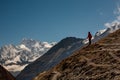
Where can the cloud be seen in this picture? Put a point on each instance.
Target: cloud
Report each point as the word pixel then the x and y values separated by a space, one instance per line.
pixel 109 25
pixel 117 20
pixel 117 11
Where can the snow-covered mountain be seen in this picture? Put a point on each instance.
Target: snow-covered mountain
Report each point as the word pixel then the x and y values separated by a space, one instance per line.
pixel 15 58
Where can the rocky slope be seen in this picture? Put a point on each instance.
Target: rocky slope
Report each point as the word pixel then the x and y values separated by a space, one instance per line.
pixel 99 61
pixel 5 75
pixel 15 58
pixel 57 53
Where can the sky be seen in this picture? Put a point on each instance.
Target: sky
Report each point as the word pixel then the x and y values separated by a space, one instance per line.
pixel 53 20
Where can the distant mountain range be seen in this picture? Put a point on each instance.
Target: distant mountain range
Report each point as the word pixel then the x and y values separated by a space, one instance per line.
pixel 15 58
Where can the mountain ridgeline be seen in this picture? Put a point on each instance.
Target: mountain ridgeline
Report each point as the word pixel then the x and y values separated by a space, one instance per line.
pixel 99 61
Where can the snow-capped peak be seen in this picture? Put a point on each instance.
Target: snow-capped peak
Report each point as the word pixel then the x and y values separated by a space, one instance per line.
pixel 30 42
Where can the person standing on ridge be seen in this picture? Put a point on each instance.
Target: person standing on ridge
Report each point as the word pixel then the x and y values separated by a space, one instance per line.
pixel 89 38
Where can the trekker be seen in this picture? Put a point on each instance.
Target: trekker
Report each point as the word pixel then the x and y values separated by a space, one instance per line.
pixel 89 38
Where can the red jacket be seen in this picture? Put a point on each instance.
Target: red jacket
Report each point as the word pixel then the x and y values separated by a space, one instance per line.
pixel 89 35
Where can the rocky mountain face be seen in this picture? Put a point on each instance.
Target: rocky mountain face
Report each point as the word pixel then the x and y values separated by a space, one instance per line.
pixel 57 53
pixel 5 75
pixel 99 61
pixel 15 58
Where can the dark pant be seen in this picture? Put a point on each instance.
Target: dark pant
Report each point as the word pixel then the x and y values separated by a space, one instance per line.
pixel 89 41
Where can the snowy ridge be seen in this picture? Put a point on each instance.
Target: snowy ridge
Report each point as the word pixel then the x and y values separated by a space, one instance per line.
pixel 15 58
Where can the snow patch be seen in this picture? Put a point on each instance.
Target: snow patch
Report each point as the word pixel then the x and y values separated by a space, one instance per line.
pixel 114 25
pixel 22 46
pixel 100 32
pixel 14 68
pixel 47 45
